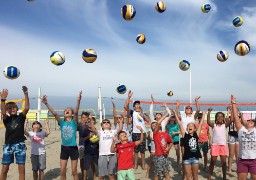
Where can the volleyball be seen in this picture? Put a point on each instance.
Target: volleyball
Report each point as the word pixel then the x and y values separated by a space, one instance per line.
pixel 128 12
pixel 242 48
pixel 206 8
pixel 121 89
pixel 57 58
pixel 94 138
pixel 238 21
pixel 170 93
pixel 89 55
pixel 160 6
pixel 184 65
pixel 11 72
pixel 222 56
pixel 141 38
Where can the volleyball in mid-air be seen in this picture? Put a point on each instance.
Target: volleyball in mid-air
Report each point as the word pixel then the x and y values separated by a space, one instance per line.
pixel 128 12
pixel 57 58
pixel 242 48
pixel 238 21
pixel 121 89
pixel 89 55
pixel 160 6
pixel 184 65
pixel 222 56
pixel 11 72
pixel 170 93
pixel 206 8
pixel 94 138
pixel 141 38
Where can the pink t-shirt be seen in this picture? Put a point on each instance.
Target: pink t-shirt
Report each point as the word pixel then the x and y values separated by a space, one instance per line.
pixel 219 135
pixel 203 136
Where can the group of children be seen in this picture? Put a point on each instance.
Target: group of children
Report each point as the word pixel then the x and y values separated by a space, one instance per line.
pixel 115 151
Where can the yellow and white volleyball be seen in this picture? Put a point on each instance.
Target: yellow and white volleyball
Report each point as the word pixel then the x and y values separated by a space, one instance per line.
pixel 141 38
pixel 242 48
pixel 128 12
pixel 206 8
pixel 170 93
pixel 184 65
pixel 89 55
pixel 94 138
pixel 160 6
pixel 11 72
pixel 57 58
pixel 238 21
pixel 222 56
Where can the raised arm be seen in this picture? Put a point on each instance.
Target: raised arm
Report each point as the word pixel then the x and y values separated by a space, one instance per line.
pixel 120 125
pixel 113 145
pixel 235 114
pixel 4 95
pixel 177 106
pixel 209 118
pixel 200 124
pixel 151 109
pixel 182 131
pixel 197 107
pixel 54 113
pixel 77 107
pixel 92 126
pixel 47 128
pixel 27 105
pixel 146 118
pixel 141 136
pixel 114 113
pixel 26 128
pixel 126 104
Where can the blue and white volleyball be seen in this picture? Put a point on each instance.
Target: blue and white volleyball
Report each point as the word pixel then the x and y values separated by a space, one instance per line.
pixel 238 21
pixel 160 6
pixel 141 38
pixel 242 48
pixel 121 89
pixel 206 8
pixel 222 56
pixel 128 12
pixel 11 72
pixel 170 93
pixel 89 55
pixel 184 65
pixel 57 58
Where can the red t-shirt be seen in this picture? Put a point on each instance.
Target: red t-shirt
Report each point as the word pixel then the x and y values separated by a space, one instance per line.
pixel 203 136
pixel 125 155
pixel 161 140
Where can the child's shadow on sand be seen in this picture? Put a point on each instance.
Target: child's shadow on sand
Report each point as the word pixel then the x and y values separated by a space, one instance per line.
pixel 52 174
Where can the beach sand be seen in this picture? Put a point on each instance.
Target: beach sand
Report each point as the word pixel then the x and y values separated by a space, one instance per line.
pixel 52 172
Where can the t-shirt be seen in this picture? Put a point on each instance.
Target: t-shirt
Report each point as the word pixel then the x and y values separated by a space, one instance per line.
pixel 191 148
pixel 203 136
pixel 37 142
pixel 89 147
pixel 137 120
pixel 68 132
pixel 14 125
pixel 173 128
pixel 247 143
pixel 125 155
pixel 106 139
pixel 81 129
pixel 219 135
pixel 185 120
pixel 161 139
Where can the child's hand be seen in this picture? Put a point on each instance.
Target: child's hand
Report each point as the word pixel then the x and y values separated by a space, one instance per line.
pixel 197 98
pixel 152 98
pixel 79 96
pixel 44 99
pixel 233 99
pixel 130 93
pixel 114 106
pixel 24 89
pixel 209 109
pixel 114 138
pixel 121 120
pixel 139 128
pixel 177 103
pixel 4 93
pixel 46 122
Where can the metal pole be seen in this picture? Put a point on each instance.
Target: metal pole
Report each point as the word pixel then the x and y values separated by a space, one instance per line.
pixel 104 112
pixel 190 93
pixel 99 104
pixel 39 105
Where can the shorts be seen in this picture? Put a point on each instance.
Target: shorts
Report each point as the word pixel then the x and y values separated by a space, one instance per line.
pixel 246 165
pixel 219 150
pixel 149 149
pixel 81 152
pixel 181 142
pixel 204 146
pixel 191 161
pixel 177 142
pixel 161 164
pixel 38 162
pixel 232 139
pixel 18 149
pixel 142 147
pixel 89 158
pixel 107 164
pixel 69 151
pixel 126 174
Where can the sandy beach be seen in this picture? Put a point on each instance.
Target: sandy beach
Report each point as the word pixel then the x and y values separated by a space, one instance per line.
pixel 53 143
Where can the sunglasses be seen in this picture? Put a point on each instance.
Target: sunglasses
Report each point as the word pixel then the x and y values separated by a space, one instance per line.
pixel 188 108
pixel 119 117
pixel 104 122
pixel 250 121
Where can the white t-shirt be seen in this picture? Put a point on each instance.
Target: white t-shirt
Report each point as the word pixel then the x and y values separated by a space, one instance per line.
pixel 247 143
pixel 37 142
pixel 137 120
pixel 106 139
pixel 185 120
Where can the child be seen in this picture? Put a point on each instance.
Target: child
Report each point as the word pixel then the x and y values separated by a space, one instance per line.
pixel 218 147
pixel 38 153
pixel 14 134
pixel 125 155
pixel 191 150
pixel 107 159
pixel 68 127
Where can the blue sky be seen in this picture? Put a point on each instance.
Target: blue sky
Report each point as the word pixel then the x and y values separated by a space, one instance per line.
pixel 31 31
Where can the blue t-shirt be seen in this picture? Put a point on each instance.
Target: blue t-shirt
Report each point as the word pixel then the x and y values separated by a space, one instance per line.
pixel 82 130
pixel 173 128
pixel 68 132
